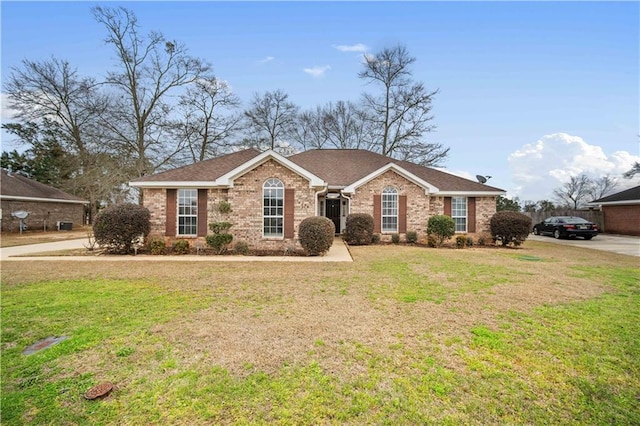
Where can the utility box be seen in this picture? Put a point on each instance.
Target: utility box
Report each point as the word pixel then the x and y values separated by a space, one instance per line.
pixel 65 226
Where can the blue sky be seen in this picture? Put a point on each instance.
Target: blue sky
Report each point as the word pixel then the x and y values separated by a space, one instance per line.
pixel 530 93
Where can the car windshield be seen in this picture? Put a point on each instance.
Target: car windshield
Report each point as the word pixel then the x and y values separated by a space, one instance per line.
pixel 575 220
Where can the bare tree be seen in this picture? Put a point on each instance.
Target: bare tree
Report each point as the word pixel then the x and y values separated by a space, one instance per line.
pixel 574 193
pixel 58 109
pixel 207 121
pixel 271 120
pixel 148 69
pixel 546 205
pixel 602 186
pixel 635 169
pixel 347 126
pixel 402 113
pixel 310 130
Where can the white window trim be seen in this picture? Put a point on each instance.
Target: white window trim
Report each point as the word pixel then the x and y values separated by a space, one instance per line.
pixel 396 215
pixel 178 215
pixel 271 236
pixel 466 213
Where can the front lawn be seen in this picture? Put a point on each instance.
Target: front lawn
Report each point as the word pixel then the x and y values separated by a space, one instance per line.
pixel 404 335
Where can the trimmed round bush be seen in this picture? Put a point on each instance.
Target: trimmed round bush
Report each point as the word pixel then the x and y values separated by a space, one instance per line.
pixel 512 228
pixel 442 227
pixel 412 237
pixel 359 229
pixel 219 242
pixel 181 247
pixel 316 234
pixel 157 245
pixel 118 227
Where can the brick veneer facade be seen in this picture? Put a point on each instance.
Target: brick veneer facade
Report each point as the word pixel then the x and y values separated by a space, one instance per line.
pixel 623 220
pixel 420 206
pixel 41 213
pixel 245 198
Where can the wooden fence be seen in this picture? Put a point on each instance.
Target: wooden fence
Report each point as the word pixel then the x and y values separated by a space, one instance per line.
pixel 594 216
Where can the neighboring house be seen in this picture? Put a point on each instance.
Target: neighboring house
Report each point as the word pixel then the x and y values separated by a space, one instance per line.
pixel 621 212
pixel 270 195
pixel 46 205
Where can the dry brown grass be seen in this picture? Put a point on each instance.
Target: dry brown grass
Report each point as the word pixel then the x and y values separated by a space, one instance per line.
pixel 12 239
pixel 266 315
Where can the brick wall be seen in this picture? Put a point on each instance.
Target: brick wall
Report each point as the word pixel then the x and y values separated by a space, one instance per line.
pixel 40 213
pixel 623 220
pixel 246 201
pixel 155 199
pixel 420 206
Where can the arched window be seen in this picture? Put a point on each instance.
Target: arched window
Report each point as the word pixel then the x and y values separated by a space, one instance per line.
pixel 390 209
pixel 273 208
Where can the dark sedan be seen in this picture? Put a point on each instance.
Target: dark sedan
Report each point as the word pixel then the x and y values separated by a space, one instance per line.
pixel 566 227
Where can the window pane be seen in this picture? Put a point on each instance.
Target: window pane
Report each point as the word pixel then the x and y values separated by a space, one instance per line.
pixel 273 208
pixel 187 211
pixel 389 209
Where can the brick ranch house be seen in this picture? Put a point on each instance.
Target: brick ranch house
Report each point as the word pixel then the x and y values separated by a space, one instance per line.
pixel 621 212
pixel 46 205
pixel 270 195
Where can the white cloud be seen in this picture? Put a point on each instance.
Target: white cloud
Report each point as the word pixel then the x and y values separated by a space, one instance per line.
pixel 267 60
pixel 317 71
pixel 539 168
pixel 358 47
pixel 6 113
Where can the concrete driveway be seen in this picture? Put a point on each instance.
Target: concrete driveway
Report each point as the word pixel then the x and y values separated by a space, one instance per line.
pixel 620 244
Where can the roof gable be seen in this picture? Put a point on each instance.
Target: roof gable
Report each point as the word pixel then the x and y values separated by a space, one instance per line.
pixel 18 187
pixel 221 171
pixel 343 168
pixel 350 189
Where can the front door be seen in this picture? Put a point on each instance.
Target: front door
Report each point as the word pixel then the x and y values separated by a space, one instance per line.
pixel 333 213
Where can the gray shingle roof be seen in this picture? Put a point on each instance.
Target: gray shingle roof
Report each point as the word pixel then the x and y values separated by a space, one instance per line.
pixel 337 167
pixel 16 185
pixel 207 170
pixel 342 167
pixel 631 194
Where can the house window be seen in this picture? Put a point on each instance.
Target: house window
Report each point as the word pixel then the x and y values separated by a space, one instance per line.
pixel 459 213
pixel 390 209
pixel 273 208
pixel 187 212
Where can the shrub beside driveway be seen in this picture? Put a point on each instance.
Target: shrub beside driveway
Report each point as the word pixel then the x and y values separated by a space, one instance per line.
pixel 402 335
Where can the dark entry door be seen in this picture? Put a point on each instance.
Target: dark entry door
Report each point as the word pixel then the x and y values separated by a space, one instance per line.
pixel 333 213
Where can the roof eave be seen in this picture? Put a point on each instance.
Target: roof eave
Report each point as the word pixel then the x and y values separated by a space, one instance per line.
pixel 42 199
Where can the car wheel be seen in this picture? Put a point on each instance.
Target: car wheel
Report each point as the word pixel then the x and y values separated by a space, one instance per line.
pixel 556 234
pixel 535 231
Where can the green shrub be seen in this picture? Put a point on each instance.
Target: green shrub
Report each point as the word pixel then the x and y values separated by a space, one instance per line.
pixel 512 228
pixel 432 240
pixel 220 227
pixel 219 242
pixel 181 247
pixel 375 238
pixel 470 241
pixel 220 238
pixel 118 227
pixel 157 245
pixel 412 237
pixel 241 247
pixel 224 207
pixel 359 229
pixel 395 238
pixel 442 227
pixel 461 241
pixel 316 234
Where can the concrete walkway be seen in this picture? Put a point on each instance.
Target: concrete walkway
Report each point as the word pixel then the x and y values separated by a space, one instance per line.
pixel 337 253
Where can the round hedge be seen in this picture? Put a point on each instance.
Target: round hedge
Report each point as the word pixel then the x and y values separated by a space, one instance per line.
pixel 359 229
pixel 316 234
pixel 118 227
pixel 510 227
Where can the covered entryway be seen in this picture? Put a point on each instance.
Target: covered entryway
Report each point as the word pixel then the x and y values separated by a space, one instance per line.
pixel 333 212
